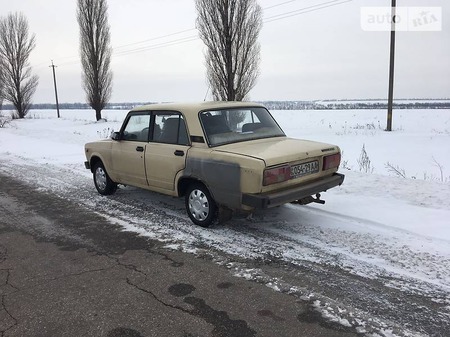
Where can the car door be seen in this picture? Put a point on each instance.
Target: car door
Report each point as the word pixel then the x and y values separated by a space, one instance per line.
pixel 165 155
pixel 128 154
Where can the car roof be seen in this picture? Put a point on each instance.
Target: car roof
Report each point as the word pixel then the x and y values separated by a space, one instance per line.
pixel 188 108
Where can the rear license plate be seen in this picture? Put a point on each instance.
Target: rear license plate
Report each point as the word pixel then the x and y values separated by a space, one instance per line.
pixel 304 169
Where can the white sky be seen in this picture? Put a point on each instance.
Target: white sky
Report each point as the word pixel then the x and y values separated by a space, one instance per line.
pixel 322 54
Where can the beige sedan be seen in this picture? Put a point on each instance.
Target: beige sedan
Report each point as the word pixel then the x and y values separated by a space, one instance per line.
pixel 221 156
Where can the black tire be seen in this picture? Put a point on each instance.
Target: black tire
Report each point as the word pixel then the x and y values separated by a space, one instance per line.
pixel 102 181
pixel 200 206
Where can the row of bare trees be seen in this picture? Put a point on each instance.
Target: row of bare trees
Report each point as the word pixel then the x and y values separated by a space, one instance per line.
pixel 229 29
pixel 18 84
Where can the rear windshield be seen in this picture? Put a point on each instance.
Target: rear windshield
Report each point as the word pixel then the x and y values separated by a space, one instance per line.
pixel 239 124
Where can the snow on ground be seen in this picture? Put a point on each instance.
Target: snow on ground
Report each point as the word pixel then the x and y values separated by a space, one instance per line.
pixel 377 225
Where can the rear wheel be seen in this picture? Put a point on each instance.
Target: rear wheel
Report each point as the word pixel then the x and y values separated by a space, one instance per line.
pixel 102 181
pixel 200 206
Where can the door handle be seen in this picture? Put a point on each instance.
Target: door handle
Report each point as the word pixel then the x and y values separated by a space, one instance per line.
pixel 179 153
pixel 140 149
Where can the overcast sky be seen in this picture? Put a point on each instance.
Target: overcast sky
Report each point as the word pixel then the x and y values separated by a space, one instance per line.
pixel 319 54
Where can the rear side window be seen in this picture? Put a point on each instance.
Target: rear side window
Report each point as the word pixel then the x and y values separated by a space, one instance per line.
pixel 169 128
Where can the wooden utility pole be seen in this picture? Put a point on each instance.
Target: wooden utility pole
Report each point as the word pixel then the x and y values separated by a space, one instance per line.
pixel 391 67
pixel 56 91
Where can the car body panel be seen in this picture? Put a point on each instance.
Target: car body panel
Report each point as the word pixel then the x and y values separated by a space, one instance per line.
pixel 162 164
pixel 278 150
pixel 127 163
pixel 226 175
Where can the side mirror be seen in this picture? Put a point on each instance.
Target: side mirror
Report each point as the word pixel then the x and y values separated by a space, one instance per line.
pixel 115 136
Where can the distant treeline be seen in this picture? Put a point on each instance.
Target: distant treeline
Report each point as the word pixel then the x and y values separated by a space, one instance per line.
pixel 76 106
pixel 277 105
pixel 358 105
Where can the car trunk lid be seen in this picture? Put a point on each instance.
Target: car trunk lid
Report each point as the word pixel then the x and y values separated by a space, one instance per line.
pixel 277 151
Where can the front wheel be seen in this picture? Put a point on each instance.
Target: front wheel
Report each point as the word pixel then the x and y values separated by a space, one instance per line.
pixel 200 206
pixel 102 181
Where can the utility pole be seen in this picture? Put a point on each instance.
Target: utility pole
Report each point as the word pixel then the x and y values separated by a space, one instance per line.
pixel 56 91
pixel 391 67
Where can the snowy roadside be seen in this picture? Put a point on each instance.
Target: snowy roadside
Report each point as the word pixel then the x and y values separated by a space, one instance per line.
pixel 392 230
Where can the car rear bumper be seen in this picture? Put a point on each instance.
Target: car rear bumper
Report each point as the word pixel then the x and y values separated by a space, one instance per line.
pixel 278 198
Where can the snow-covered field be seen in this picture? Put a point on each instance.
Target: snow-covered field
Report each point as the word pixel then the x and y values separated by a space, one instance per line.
pixel 378 225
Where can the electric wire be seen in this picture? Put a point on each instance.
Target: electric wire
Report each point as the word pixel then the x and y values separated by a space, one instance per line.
pixel 280 4
pixel 306 10
pixel 116 51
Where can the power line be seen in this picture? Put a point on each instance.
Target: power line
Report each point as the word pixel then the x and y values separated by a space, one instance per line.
pixel 305 10
pixel 183 31
pixel 155 38
pixel 280 4
pixel 118 52
pixel 188 30
pixel 156 46
pixel 145 48
pixel 270 19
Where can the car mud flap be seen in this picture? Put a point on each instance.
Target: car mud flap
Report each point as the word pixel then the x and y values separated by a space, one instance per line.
pixel 225 214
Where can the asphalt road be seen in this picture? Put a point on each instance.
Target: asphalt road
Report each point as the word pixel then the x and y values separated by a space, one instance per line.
pixel 67 271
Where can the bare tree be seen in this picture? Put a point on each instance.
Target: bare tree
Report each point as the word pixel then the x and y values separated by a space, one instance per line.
pixel 95 52
pixel 15 48
pixel 230 30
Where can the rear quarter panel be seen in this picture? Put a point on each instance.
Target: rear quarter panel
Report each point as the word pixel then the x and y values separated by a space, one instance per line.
pixel 226 175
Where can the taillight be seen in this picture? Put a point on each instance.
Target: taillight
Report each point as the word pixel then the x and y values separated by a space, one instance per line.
pixel 331 161
pixel 277 175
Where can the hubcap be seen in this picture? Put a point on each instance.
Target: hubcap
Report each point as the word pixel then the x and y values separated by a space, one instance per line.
pixel 100 178
pixel 198 205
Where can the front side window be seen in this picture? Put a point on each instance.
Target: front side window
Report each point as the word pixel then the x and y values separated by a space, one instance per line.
pixel 137 128
pixel 170 128
pixel 238 124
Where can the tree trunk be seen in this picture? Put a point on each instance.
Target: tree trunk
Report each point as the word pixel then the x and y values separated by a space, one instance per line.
pixel 20 110
pixel 98 114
